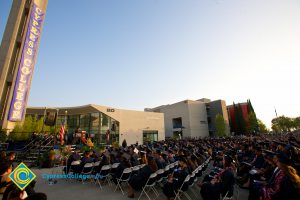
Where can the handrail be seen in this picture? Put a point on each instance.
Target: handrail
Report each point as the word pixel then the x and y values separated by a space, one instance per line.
pixel 46 145
pixel 26 145
pixel 36 146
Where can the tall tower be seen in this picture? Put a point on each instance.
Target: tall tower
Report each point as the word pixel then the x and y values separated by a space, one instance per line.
pixel 18 52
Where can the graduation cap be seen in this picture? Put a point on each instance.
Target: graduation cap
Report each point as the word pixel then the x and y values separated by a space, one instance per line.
pixel 126 156
pixel 228 158
pixel 114 153
pixel 258 148
pixel 269 153
pixel 136 150
pixel 295 144
pixel 283 158
pixel 279 143
pixel 106 154
pixel 148 150
pixel 158 151
pixel 150 158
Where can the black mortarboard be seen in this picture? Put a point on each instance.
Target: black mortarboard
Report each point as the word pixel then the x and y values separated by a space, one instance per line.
pixel 295 144
pixel 150 158
pixel 279 143
pixel 258 149
pixel 282 158
pixel 126 156
pixel 228 158
pixel 269 153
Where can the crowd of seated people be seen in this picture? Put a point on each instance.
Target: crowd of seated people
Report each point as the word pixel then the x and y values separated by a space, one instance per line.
pixel 151 157
pixel 138 180
pixel 267 165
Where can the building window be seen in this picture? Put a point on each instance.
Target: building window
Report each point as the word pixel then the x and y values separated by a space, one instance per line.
pixel 72 123
pixel 150 136
pixel 85 122
pixel 177 122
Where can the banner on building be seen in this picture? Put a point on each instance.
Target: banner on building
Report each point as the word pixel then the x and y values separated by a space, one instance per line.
pixel 50 119
pixel 26 67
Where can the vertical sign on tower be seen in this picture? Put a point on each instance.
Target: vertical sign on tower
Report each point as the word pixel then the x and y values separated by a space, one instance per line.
pixel 26 67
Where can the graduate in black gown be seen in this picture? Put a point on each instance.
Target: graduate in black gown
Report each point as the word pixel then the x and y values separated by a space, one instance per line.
pixel 222 183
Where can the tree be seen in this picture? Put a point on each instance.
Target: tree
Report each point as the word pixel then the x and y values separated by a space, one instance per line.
pixel 241 124
pixel 124 144
pixel 23 131
pixel 3 135
pixel 39 125
pixel 296 123
pixel 262 127
pixel 282 124
pixel 220 125
pixel 253 125
pixel 28 124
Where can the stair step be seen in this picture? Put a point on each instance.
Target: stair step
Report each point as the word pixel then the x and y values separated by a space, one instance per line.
pixel 28 161
pixel 46 146
pixel 34 153
pixel 31 157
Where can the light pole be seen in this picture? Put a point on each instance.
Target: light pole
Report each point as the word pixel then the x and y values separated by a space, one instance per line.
pixel 44 119
pixel 65 127
pixel 181 132
pixel 56 121
pixel 66 118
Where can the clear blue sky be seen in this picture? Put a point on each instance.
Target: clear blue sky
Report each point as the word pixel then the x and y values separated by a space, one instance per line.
pixel 133 54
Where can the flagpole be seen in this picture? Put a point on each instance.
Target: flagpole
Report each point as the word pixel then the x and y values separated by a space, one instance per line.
pixel 44 119
pixel 56 119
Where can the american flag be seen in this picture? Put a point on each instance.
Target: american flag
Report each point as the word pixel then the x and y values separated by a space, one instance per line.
pixel 62 130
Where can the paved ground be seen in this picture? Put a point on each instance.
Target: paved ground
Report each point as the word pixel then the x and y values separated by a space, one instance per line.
pixel 73 190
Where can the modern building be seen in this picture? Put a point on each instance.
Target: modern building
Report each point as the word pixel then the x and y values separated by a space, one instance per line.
pixel 134 126
pixel 191 118
pixel 18 53
pixel 239 117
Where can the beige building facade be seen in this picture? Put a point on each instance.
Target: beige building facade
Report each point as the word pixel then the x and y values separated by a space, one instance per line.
pixel 133 126
pixel 192 119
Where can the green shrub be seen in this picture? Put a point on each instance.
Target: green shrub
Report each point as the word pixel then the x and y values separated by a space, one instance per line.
pixel 124 144
pixel 19 136
pixel 115 144
pixel 85 148
pixel 3 136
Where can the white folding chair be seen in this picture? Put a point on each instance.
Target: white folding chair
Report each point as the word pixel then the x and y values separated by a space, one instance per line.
pixel 124 178
pixel 104 175
pixel 86 170
pixel 74 165
pixel 142 165
pixel 236 192
pixel 176 163
pixel 192 181
pixel 135 169
pixel 96 167
pixel 166 172
pixel 183 188
pixel 114 168
pixel 151 185
pixel 160 177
